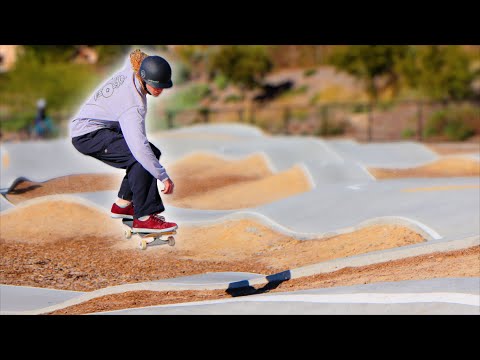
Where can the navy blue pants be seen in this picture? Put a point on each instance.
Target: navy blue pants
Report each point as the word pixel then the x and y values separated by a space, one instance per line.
pixel 138 185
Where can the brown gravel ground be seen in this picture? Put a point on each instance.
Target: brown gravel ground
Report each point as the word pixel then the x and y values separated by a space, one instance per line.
pixel 445 167
pixel 201 172
pixel 458 263
pixel 455 148
pixel 75 257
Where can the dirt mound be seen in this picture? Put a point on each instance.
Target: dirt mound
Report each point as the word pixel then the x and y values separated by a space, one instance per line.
pixel 53 220
pixel 59 251
pixel 247 239
pixel 26 190
pixel 444 167
pixel 450 148
pixel 202 172
pixel 250 193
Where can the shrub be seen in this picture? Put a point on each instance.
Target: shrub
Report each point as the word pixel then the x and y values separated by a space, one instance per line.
pixel 181 74
pixel 331 128
pixel 221 81
pixel 315 99
pixel 233 98
pixel 19 121
pixel 299 114
pixel 309 72
pixel 62 85
pixel 360 108
pixel 408 133
pixel 243 65
pixel 188 98
pixel 455 123
pixel 292 92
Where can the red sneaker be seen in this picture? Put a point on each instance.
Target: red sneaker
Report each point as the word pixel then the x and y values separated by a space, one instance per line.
pixel 154 224
pixel 122 213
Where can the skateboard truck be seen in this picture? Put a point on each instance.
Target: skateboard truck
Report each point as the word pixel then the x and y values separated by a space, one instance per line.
pixel 149 239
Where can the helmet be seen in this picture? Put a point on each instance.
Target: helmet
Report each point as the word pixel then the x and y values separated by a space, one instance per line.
pixel 156 72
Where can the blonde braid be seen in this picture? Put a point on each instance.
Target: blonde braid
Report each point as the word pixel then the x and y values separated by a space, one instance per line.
pixel 136 58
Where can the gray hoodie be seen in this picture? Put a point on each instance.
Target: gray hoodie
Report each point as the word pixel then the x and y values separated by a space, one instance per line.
pixel 120 99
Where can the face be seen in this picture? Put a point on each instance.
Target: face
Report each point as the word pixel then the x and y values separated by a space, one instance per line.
pixel 155 92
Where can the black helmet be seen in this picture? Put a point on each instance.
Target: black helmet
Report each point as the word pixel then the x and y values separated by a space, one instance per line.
pixel 156 72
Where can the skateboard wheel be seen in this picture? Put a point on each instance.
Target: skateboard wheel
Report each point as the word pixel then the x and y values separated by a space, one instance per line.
pixel 128 234
pixel 171 241
pixel 142 244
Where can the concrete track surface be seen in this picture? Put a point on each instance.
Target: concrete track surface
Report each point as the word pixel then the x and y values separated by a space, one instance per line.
pixel 344 197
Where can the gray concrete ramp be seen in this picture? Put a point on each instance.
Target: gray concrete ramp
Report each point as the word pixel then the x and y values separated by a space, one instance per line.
pixel 33 301
pixel 217 278
pixel 416 297
pixel 15 299
pixel 43 160
pixel 384 155
pixel 5 204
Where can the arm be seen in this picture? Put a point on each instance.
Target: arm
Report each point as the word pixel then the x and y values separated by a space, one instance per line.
pixel 133 128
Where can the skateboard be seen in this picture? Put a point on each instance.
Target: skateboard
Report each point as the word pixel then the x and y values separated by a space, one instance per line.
pixel 149 239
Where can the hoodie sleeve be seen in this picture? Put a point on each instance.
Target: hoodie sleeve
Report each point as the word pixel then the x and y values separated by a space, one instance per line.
pixel 132 124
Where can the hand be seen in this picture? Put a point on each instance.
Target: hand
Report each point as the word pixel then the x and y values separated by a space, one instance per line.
pixel 168 189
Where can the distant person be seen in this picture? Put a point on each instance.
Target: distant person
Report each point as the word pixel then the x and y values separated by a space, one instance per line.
pixel 43 126
pixel 110 127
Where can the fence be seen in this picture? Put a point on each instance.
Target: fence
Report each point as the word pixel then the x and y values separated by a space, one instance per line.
pixel 400 120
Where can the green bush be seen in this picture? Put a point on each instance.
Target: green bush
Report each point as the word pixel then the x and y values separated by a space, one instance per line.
pixel 314 99
pixel 385 105
pixel 233 98
pixel 296 91
pixel 181 74
pixel 299 114
pixel 221 81
pixel 331 128
pixel 309 72
pixel 64 85
pixel 19 121
pixel 360 108
pixel 243 65
pixel 408 133
pixel 188 98
pixel 455 123
pixel 458 130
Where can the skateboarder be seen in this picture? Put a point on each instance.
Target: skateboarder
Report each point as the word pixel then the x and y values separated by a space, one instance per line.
pixel 110 126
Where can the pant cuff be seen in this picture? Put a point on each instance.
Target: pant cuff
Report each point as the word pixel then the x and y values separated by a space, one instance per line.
pixel 149 211
pixel 125 197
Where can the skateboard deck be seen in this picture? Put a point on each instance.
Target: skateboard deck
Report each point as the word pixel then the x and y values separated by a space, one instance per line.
pixel 149 238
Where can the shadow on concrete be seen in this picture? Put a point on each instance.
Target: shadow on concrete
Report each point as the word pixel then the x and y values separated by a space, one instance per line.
pixel 23 190
pixel 243 288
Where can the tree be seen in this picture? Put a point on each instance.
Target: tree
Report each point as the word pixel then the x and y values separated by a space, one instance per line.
pixel 440 72
pixel 374 64
pixel 50 53
pixel 244 65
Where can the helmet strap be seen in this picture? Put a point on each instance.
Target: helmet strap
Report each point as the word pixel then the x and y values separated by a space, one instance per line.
pixel 145 87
